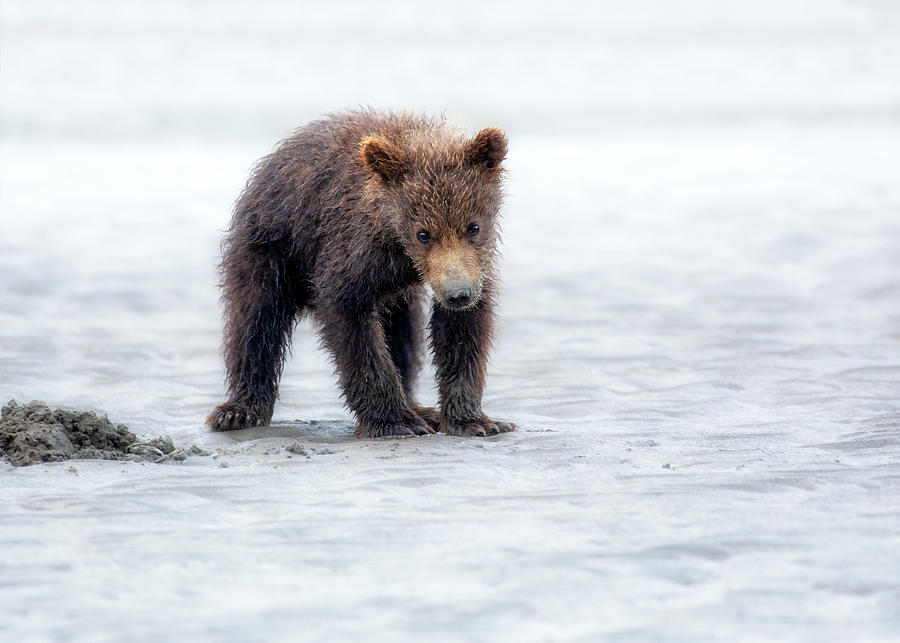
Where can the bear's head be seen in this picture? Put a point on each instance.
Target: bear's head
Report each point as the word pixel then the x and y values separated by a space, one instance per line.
pixel 440 194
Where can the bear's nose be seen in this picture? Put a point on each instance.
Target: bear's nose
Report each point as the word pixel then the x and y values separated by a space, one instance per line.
pixel 457 294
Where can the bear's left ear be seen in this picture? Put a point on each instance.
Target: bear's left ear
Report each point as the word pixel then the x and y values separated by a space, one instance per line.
pixel 487 149
pixel 378 155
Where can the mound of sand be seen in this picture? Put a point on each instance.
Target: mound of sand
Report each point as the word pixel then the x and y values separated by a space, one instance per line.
pixel 35 433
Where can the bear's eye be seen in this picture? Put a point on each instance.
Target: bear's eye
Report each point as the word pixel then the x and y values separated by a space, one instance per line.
pixel 473 229
pixel 423 236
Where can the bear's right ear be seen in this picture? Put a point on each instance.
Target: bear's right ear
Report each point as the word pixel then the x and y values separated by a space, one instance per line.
pixel 378 155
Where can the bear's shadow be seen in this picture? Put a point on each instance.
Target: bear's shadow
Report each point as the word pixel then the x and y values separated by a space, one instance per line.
pixel 311 430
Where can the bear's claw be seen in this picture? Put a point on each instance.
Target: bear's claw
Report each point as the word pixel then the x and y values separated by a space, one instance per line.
pixel 430 414
pixel 400 429
pixel 478 428
pixel 232 416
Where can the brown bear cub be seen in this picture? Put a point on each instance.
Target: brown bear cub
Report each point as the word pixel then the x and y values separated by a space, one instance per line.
pixel 348 219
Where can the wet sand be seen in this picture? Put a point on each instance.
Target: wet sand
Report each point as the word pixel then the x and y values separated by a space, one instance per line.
pixel 34 433
pixel 698 337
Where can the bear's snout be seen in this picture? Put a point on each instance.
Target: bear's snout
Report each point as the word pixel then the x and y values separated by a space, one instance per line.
pixel 458 294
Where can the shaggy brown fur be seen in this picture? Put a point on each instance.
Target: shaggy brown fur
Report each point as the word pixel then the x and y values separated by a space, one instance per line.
pixel 347 219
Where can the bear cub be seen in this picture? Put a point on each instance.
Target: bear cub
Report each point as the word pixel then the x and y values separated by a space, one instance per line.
pixel 347 220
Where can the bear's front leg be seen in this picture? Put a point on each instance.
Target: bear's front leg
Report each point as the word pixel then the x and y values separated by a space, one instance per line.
pixel 461 341
pixel 369 379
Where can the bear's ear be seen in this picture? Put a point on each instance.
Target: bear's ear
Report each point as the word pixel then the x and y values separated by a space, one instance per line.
pixel 487 149
pixel 378 155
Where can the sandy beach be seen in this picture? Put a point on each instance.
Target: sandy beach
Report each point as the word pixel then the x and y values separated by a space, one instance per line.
pixel 699 332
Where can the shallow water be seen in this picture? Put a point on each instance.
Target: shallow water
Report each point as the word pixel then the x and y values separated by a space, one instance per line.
pixel 699 339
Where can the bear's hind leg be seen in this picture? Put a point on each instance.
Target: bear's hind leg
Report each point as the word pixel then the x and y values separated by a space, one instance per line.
pixel 260 309
pixel 371 382
pixel 403 322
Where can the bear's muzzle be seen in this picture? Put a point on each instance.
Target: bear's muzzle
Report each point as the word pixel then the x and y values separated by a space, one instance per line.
pixel 458 293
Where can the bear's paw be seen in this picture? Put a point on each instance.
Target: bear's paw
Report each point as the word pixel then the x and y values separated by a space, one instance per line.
pixel 430 414
pixel 232 416
pixel 410 427
pixel 481 427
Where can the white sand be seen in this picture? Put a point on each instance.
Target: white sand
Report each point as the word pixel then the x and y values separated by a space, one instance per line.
pixel 700 333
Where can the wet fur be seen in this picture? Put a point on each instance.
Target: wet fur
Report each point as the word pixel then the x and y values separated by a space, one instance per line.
pixel 327 225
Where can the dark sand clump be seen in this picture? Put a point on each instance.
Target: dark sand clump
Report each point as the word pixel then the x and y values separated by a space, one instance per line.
pixel 35 433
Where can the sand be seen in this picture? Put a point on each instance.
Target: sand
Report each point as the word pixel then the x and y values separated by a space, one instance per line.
pixel 35 433
pixel 698 332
